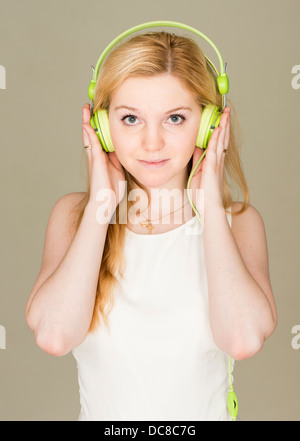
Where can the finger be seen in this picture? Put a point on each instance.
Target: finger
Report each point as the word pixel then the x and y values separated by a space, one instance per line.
pixel 86 138
pixel 96 149
pixel 85 120
pixel 198 152
pixel 224 136
pixel 88 150
pixel 227 134
pixel 221 140
pixel 213 142
pixel 90 137
pixel 86 113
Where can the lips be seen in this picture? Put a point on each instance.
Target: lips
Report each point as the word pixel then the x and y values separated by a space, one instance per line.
pixel 154 163
pixel 153 160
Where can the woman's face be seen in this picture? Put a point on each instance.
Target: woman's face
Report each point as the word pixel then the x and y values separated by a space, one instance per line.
pixel 154 119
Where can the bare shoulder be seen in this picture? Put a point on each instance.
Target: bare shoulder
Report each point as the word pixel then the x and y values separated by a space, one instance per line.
pixel 59 234
pixel 65 206
pixel 75 196
pixel 248 218
pixel 61 229
pixel 71 199
pixel 248 230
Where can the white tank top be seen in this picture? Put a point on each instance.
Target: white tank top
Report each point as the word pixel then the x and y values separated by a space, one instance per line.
pixel 158 361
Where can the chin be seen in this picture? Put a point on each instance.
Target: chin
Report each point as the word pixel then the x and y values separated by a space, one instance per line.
pixel 153 182
pixel 149 180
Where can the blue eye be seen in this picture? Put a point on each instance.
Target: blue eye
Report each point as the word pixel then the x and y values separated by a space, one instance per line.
pixel 129 120
pixel 177 119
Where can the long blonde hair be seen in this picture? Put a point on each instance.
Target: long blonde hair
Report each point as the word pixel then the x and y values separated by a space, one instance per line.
pixel 147 55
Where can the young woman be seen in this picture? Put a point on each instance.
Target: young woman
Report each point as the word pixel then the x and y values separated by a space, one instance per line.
pixel 151 302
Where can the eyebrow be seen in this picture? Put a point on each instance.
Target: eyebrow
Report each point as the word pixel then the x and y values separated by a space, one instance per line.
pixel 133 109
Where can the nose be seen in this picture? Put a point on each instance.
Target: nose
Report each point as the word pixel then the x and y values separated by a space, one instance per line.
pixel 153 138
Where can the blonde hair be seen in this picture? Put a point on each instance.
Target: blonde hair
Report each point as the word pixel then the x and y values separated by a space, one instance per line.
pixel 147 55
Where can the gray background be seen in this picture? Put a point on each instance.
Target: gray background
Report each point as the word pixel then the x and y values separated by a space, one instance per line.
pixel 47 49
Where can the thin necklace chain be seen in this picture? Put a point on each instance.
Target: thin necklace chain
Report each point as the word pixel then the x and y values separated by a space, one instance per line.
pixel 148 223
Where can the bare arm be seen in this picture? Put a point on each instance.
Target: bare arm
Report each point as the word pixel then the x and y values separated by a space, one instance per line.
pixel 242 310
pixel 242 307
pixel 60 306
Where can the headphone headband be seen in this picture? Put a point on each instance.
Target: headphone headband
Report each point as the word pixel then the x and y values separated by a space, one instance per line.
pixel 222 79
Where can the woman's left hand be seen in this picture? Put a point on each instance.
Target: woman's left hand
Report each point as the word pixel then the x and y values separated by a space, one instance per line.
pixel 209 174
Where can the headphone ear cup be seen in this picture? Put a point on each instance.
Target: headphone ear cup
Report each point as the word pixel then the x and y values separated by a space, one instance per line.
pixel 210 119
pixel 100 123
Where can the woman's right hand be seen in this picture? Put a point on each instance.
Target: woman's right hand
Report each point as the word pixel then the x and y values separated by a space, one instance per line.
pixel 104 169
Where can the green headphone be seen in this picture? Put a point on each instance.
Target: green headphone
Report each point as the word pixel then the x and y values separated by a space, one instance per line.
pixel 210 119
pixel 211 114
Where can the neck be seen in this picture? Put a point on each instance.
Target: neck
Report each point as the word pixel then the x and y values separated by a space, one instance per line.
pixel 167 205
